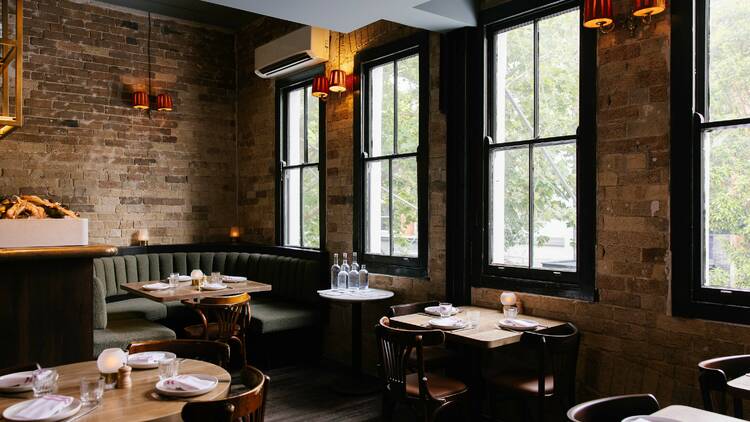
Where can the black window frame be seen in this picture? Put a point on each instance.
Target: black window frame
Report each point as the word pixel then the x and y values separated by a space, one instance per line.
pixel 689 101
pixel 578 284
pixel 363 62
pixel 283 87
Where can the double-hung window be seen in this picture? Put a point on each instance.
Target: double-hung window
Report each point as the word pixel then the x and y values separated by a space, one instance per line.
pixel 301 153
pixel 537 156
pixel 711 159
pixel 390 157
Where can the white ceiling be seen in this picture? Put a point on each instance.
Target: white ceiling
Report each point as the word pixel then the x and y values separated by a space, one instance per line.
pixel 348 15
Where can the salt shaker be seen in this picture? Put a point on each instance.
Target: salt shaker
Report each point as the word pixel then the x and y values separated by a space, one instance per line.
pixel 123 377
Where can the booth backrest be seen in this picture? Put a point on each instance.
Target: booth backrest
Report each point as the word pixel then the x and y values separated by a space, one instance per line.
pixel 293 279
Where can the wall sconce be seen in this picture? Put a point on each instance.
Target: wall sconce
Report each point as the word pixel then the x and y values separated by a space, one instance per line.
pixel 598 14
pixel 320 87
pixel 338 81
pixel 164 102
pixel 142 237
pixel 140 100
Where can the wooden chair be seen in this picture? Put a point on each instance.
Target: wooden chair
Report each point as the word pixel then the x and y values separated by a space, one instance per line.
pixel 248 406
pixel 428 393
pixel 435 357
pixel 556 355
pixel 229 316
pixel 205 350
pixel 614 408
pixel 713 377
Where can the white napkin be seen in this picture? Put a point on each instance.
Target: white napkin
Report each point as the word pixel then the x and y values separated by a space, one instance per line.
pixel 449 322
pixel 234 279
pixel 187 383
pixel 44 407
pixel 184 278
pixel 156 286
pixel 521 323
pixel 147 357
pixel 214 286
pixel 15 380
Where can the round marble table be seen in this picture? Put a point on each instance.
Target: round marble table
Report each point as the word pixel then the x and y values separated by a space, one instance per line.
pixel 138 403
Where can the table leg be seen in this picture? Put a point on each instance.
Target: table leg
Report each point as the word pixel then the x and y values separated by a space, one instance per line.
pixel 357 339
pixel 358 384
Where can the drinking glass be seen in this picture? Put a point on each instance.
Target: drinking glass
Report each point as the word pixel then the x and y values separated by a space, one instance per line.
pixel 174 280
pixel 44 381
pixel 168 368
pixel 510 312
pixel 445 308
pixel 92 389
pixel 473 318
pixel 216 278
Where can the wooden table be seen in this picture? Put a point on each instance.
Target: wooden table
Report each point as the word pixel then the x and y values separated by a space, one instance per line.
pixel 487 335
pixel 691 414
pixel 138 403
pixel 187 291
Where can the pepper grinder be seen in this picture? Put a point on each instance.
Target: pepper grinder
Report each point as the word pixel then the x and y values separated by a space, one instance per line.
pixel 123 377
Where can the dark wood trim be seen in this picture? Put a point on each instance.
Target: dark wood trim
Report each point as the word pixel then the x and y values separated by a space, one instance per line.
pixel 363 61
pixel 56 252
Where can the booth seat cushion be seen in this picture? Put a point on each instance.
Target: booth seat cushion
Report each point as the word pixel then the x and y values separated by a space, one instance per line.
pixel 120 333
pixel 136 308
pixel 272 316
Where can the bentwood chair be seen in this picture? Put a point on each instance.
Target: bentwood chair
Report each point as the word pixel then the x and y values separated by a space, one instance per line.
pixel 429 394
pixel 205 350
pixel 556 354
pixel 229 318
pixel 713 377
pixel 614 408
pixel 248 406
pixel 435 357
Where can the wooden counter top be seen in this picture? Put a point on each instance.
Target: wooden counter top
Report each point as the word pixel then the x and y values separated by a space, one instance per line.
pixel 57 252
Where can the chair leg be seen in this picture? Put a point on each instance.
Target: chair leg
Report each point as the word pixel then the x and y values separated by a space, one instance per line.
pixel 737 404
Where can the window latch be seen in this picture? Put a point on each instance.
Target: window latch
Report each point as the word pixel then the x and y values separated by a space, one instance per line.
pixel 365 154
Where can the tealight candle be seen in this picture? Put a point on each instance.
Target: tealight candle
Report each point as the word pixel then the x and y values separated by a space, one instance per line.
pixel 234 233
pixel 508 298
pixel 109 362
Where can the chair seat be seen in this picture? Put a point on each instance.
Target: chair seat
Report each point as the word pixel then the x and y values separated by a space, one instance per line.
pixel 438 385
pixel 196 331
pixel 521 382
pixel 433 356
pixel 137 308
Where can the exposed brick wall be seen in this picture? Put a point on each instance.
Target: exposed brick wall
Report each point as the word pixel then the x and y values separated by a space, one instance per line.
pixel 173 173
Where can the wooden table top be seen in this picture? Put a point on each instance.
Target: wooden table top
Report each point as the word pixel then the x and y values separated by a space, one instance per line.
pixel 691 414
pixel 486 335
pixel 187 291
pixel 138 403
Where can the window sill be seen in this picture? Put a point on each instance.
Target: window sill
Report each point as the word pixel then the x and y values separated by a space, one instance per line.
pixel 712 311
pixel 395 270
pixel 538 287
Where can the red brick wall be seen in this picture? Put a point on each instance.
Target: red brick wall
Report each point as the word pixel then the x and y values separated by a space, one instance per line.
pixel 173 173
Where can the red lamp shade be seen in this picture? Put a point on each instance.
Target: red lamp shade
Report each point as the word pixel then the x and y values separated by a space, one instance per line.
pixel 140 100
pixel 649 7
pixel 597 13
pixel 337 81
pixel 320 87
pixel 164 102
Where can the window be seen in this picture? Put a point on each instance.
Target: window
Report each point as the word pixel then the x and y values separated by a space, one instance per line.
pixel 301 154
pixel 711 173
pixel 537 160
pixel 391 157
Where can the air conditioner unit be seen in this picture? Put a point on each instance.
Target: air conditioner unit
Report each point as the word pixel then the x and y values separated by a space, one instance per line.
pixel 294 51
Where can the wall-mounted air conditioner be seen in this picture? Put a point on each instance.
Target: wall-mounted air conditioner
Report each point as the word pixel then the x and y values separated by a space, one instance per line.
pixel 294 51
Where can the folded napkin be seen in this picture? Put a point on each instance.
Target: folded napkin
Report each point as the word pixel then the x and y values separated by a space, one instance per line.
pixel 184 278
pixel 44 407
pixel 234 279
pixel 187 383
pixel 449 322
pixel 147 357
pixel 156 286
pixel 214 286
pixel 521 323
pixel 15 380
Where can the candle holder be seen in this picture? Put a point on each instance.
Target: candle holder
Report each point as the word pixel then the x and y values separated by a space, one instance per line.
pixel 234 234
pixel 109 363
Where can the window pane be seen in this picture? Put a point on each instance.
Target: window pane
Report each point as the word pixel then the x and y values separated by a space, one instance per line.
pixel 555 207
pixel 292 207
pixel 728 59
pixel 313 127
pixel 726 210
pixel 295 127
pixel 381 110
pixel 405 208
pixel 377 208
pixel 509 207
pixel 514 84
pixel 558 75
pixel 408 104
pixel 311 207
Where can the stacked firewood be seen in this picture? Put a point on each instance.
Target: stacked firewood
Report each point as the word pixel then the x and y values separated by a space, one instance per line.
pixel 32 206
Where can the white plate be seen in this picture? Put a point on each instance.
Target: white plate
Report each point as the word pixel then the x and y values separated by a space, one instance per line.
pixel 513 324
pixel 72 409
pixel 156 286
pixel 144 364
pixel 160 387
pixel 214 286
pixel 435 310
pixel 447 323
pixel 21 388
pixel 233 278
pixel 649 419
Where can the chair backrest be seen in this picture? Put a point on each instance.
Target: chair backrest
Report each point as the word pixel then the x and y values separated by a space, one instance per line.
pixel 228 312
pixel 614 408
pixel 248 406
pixel 394 347
pixel 557 354
pixel 409 308
pixel 205 350
pixel 714 374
